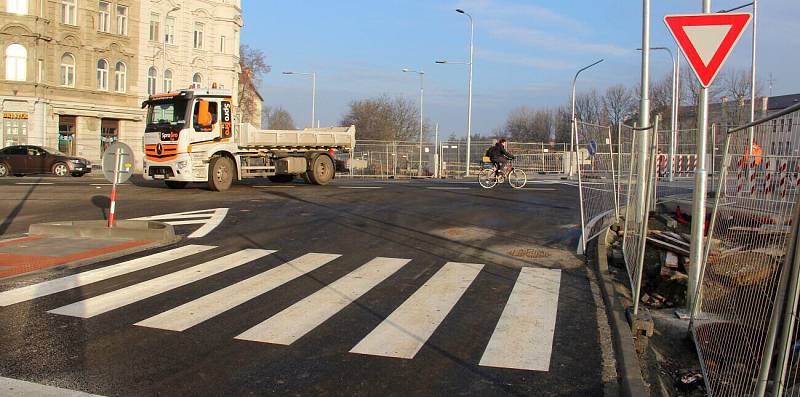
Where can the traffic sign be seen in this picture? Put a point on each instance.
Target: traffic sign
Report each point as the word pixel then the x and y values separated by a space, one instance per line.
pixel 707 39
pixel 118 163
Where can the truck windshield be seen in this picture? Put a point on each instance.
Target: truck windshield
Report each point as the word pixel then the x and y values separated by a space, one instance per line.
pixel 166 115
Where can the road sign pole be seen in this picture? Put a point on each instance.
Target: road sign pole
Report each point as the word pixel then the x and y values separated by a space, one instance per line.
pixel 700 192
pixel 113 207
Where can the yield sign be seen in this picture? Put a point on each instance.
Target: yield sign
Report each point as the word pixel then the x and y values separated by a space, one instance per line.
pixel 707 39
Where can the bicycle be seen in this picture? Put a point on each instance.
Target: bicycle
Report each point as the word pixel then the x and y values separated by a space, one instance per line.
pixel 490 176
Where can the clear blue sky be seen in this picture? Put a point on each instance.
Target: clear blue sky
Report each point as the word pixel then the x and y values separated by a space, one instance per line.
pixel 526 51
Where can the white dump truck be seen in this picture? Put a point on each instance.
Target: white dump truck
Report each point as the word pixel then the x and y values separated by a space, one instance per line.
pixel 192 136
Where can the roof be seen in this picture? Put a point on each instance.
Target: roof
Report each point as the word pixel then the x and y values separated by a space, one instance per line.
pixel 781 102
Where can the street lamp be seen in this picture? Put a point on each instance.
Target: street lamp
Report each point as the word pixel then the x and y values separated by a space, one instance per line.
pixel 752 65
pixel 573 129
pixel 676 70
pixel 469 95
pixel 313 93
pixel 421 74
pixel 166 37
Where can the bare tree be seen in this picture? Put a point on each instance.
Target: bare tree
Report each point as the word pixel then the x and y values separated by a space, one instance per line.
pixel 618 102
pixel 384 118
pixel 252 67
pixel 526 124
pixel 277 118
pixel 589 108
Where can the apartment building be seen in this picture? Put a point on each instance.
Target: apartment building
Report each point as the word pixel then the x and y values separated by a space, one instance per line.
pixel 73 73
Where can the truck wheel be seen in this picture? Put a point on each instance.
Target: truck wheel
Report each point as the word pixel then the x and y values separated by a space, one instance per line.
pixel 220 174
pixel 176 184
pixel 321 171
pixel 281 178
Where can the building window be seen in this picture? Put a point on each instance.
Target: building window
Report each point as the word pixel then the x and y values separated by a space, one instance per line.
pixel 197 80
pixel 122 20
pixel 104 17
pixel 68 12
pixel 120 77
pixel 19 7
pixel 198 35
pixel 152 74
pixel 167 80
pixel 169 34
pixel 68 70
pixel 102 75
pixel 109 133
pixel 154 27
pixel 16 63
pixel 222 44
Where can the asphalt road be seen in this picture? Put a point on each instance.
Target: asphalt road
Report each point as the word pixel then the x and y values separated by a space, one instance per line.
pixel 356 288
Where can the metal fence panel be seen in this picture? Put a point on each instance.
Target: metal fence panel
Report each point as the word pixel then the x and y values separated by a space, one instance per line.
pixel 740 290
pixel 597 178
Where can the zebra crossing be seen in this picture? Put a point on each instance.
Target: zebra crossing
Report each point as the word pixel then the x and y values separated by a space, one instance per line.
pixel 522 337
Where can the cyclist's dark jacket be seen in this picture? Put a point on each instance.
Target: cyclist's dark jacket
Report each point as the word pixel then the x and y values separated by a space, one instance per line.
pixel 499 152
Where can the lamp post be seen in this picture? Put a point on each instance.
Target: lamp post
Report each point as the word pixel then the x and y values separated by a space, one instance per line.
pixel 469 95
pixel 421 74
pixel 164 48
pixel 676 70
pixel 752 67
pixel 313 93
pixel 573 129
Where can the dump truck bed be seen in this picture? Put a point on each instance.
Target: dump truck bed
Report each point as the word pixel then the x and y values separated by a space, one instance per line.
pixel 341 138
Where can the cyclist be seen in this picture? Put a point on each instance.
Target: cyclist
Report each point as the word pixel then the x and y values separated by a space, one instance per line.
pixel 499 155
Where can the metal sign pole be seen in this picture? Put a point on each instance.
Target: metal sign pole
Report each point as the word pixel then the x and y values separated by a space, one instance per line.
pixel 112 208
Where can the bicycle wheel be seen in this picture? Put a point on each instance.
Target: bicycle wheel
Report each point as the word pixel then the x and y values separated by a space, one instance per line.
pixel 517 179
pixel 487 178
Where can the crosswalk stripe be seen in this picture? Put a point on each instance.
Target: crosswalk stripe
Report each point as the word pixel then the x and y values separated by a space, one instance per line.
pixel 523 338
pixel 297 320
pixel 406 330
pixel 113 300
pixel 92 276
pixel 195 312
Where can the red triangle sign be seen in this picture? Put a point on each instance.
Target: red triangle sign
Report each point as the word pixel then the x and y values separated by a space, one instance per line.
pixel 707 39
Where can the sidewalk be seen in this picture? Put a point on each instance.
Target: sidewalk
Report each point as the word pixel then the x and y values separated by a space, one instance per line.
pixel 37 252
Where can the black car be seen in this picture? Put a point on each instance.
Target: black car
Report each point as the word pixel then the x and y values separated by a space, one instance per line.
pixel 26 159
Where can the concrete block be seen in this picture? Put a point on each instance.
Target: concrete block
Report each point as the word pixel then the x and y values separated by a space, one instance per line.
pixel 641 323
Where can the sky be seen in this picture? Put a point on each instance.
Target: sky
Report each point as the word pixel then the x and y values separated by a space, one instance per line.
pixel 526 52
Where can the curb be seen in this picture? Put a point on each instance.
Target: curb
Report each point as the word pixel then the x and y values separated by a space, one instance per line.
pixel 136 230
pixel 630 374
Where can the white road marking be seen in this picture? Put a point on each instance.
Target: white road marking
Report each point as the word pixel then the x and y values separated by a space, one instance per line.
pixel 122 297
pixel 34 183
pixel 360 187
pixel 297 320
pixel 274 186
pixel 211 219
pixel 523 338
pixel 406 330
pixel 92 276
pixel 195 312
pixel 448 188
pixel 20 388
pixel 541 189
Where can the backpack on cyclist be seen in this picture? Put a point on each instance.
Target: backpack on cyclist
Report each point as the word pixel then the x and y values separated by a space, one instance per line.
pixel 492 152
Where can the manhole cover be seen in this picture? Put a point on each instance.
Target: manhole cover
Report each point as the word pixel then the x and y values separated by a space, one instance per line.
pixel 530 253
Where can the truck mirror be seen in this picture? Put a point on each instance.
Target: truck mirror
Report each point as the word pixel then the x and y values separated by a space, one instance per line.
pixel 204 118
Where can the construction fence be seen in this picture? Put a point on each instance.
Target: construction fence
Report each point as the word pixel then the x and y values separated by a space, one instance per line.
pixel 396 159
pixel 745 324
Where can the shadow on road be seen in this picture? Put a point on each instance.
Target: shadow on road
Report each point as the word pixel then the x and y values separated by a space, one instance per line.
pixel 102 202
pixel 15 212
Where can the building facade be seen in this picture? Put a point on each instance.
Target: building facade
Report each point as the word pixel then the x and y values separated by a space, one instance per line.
pixel 68 68
pixel 189 43
pixel 73 73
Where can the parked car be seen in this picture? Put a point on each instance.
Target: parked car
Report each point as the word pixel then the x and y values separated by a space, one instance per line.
pixel 26 159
